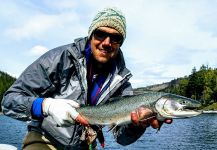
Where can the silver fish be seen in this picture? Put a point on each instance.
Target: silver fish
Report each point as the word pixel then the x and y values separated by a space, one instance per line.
pixel 118 111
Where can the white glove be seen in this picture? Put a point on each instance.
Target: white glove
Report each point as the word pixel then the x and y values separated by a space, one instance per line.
pixel 61 110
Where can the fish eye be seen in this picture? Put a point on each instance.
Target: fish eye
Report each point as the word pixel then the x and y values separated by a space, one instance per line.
pixel 185 102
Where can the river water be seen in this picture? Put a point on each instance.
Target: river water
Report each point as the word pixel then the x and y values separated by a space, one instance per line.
pixel 198 133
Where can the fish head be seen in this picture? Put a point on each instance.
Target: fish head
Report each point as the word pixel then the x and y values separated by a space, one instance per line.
pixel 175 106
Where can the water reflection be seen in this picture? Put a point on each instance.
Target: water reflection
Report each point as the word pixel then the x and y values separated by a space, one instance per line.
pixel 193 134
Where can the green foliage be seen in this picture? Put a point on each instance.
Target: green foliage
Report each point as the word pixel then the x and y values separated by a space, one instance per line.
pixel 211 107
pixel 5 82
pixel 200 85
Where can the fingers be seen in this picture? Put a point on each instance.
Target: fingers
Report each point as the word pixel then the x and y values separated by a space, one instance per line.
pixel 144 117
pixel 144 113
pixel 168 121
pixel 73 113
pixel 74 104
pixel 81 120
pixel 77 117
pixel 134 117
pixel 140 116
pixel 154 123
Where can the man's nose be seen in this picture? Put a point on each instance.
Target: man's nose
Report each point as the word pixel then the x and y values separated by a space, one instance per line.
pixel 107 41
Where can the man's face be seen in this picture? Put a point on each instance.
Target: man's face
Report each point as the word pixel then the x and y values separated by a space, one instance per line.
pixel 105 43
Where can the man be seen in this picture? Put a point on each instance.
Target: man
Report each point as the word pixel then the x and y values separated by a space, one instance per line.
pixel 86 72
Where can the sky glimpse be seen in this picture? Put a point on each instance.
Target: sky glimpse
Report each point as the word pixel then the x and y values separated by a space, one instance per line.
pixel 165 38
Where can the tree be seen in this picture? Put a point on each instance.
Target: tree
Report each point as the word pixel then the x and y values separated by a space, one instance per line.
pixel 5 82
pixel 200 85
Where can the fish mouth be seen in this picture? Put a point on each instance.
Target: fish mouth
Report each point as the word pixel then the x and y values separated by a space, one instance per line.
pixel 182 112
pixel 190 109
pixel 195 108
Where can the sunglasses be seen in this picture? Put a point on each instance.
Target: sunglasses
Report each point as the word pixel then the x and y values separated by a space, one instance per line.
pixel 102 35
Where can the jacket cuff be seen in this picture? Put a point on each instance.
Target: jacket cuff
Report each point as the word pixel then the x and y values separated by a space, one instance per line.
pixel 37 109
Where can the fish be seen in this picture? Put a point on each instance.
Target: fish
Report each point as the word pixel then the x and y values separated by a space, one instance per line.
pixel 118 110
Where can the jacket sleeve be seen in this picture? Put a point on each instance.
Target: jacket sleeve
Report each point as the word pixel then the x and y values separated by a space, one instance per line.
pixel 127 134
pixel 35 82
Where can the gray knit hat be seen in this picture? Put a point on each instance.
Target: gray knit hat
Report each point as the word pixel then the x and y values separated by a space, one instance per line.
pixel 109 17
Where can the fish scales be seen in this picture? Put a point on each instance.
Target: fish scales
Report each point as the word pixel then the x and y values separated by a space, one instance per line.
pixel 118 111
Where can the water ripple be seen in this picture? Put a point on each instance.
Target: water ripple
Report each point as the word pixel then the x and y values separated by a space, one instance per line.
pixel 193 134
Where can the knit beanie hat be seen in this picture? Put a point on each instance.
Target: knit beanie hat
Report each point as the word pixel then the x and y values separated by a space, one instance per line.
pixel 109 17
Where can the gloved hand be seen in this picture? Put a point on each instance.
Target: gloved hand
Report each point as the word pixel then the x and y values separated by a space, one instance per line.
pixel 62 111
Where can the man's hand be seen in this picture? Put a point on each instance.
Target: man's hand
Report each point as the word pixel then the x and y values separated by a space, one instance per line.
pixel 144 117
pixel 62 111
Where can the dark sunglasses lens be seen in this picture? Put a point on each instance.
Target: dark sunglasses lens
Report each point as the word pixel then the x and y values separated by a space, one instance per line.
pixel 101 35
pixel 116 38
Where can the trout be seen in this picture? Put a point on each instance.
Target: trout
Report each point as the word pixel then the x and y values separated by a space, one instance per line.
pixel 118 111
